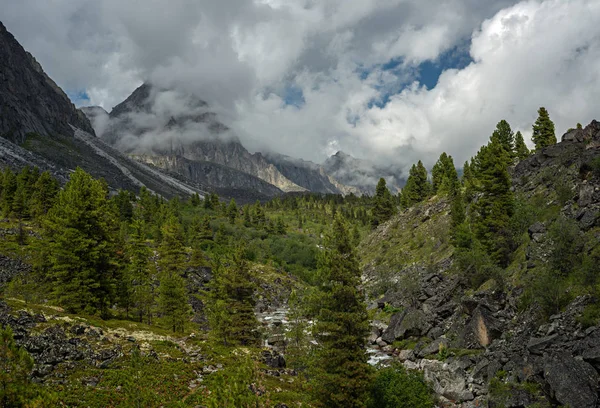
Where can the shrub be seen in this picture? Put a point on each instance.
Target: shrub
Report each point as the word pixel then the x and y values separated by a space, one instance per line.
pixel 394 387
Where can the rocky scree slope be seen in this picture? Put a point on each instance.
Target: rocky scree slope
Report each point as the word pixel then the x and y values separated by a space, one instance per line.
pixel 483 347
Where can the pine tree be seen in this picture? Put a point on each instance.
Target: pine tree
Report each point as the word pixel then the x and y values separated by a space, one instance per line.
pixel 443 175
pixel 417 186
pixel 44 194
pixel 383 204
pixel 9 187
pixel 342 375
pixel 543 130
pixel 521 150
pixel 505 137
pixel 231 303
pixel 495 206
pixel 138 272
pixel 232 211
pixel 173 302
pixel 78 236
pixel 15 367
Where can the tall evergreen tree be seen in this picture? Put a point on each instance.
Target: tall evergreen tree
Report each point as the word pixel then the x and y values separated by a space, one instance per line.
pixel 232 211
pixel 504 135
pixel 417 186
pixel 15 367
pixel 495 206
pixel 543 130
pixel 342 375
pixel 172 302
pixel 78 237
pixel 383 204
pixel 521 150
pixel 443 175
pixel 44 194
pixel 138 272
pixel 231 303
pixel 9 187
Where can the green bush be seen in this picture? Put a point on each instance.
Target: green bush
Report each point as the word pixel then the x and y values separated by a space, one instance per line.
pixel 394 387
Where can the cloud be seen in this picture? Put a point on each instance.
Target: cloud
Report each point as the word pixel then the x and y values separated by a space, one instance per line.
pixel 244 57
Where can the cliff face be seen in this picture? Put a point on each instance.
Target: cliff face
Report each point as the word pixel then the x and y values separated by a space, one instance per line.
pixel 521 337
pixel 233 182
pixel 29 100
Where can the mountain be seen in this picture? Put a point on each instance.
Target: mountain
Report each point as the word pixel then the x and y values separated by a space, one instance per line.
pixel 362 174
pixel 160 122
pixel 309 175
pixel 41 127
pixel 29 100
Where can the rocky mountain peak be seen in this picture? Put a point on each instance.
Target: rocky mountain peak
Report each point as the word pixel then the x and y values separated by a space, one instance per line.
pixel 48 111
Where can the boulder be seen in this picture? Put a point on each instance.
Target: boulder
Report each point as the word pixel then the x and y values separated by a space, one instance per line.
pixel 447 380
pixel 573 382
pixel 481 329
pixel 409 322
pixel 273 359
pixel 537 345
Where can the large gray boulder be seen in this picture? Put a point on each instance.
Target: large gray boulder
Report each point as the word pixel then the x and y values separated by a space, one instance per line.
pixel 409 322
pixel 573 382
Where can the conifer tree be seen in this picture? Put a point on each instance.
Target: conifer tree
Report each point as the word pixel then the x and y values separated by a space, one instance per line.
pixel 443 175
pixel 521 150
pixel 342 375
pixel 78 237
pixel 138 272
pixel 417 186
pixel 383 204
pixel 15 367
pixel 9 187
pixel 44 194
pixel 504 135
pixel 231 303
pixel 543 130
pixel 172 302
pixel 495 206
pixel 232 211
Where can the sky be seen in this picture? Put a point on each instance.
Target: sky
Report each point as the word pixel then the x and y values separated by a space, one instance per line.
pixel 392 81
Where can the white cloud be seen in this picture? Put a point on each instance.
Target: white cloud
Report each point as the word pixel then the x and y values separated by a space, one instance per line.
pixel 240 56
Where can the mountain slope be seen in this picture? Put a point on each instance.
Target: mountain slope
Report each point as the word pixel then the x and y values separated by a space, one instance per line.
pixel 160 122
pixel 29 100
pixel 50 133
pixel 361 174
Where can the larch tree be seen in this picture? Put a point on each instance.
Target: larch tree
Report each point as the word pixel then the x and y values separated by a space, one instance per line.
pixel 341 374
pixel 543 130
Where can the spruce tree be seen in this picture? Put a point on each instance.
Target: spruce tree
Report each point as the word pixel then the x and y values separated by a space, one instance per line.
pixel 342 375
pixel 521 150
pixel 543 130
pixel 417 186
pixel 173 301
pixel 383 204
pixel 78 237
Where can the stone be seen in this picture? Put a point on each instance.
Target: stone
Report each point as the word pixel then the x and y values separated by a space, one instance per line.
pixel 447 380
pixel 573 382
pixel 481 329
pixel 409 322
pixel 433 347
pixel 537 345
pixel 273 359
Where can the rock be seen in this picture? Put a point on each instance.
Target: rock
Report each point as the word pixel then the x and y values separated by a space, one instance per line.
pixel 481 329
pixel 447 380
pixel 404 355
pixel 537 228
pixel 587 218
pixel 380 342
pixel 409 322
pixel 433 348
pixel 574 383
pixel 273 359
pixel 537 345
pixel 592 356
